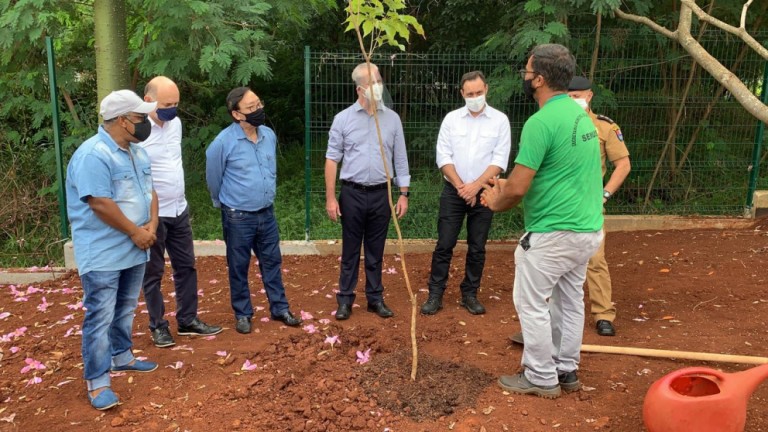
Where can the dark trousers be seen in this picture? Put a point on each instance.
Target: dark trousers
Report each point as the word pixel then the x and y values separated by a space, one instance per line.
pixel 253 231
pixel 174 234
pixel 364 220
pixel 453 208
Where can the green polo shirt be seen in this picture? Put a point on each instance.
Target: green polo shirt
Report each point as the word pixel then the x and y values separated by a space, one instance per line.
pixel 560 143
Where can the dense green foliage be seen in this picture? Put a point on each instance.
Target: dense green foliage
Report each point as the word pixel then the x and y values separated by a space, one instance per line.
pixel 210 46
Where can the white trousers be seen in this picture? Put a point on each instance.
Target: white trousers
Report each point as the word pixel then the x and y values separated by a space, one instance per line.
pixel 549 278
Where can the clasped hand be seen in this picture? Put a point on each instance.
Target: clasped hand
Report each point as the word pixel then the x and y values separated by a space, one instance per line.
pixel 144 237
pixel 492 193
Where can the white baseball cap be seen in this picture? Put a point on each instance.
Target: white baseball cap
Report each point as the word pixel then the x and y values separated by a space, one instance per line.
pixel 122 102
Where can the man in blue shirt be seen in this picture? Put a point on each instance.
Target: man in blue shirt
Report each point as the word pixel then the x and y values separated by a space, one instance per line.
pixel 114 215
pixel 363 205
pixel 241 172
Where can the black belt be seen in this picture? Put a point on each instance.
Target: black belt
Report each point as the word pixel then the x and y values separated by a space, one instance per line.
pixel 366 188
pixel 246 211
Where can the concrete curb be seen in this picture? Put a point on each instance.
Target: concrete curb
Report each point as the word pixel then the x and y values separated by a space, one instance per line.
pixel 333 247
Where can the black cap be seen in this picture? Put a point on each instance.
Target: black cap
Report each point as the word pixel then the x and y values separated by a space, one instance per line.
pixel 579 83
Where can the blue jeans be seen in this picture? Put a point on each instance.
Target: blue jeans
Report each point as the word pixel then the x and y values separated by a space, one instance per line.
pixel 110 299
pixel 257 231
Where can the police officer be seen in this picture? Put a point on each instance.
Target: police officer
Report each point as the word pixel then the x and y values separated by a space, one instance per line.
pixel 612 148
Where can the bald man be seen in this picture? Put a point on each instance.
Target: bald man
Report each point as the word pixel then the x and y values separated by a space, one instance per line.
pixel 174 233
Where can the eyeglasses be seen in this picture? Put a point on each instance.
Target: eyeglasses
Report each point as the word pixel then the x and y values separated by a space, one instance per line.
pixel 251 108
pixel 524 72
pixel 143 117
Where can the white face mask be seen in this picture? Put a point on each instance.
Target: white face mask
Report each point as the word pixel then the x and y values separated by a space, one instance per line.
pixel 378 91
pixel 475 104
pixel 582 103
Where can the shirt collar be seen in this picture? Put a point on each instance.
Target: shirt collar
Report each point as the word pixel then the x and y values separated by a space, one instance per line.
pixel 486 111
pixel 107 139
pixel 557 97
pixel 358 107
pixel 154 123
pixel 240 133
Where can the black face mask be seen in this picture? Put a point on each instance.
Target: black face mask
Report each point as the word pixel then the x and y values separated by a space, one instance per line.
pixel 255 118
pixel 528 88
pixel 142 130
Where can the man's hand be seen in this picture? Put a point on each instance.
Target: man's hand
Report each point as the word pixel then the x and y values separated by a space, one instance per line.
pixel 332 208
pixel 469 191
pixel 492 192
pixel 151 227
pixel 401 207
pixel 142 238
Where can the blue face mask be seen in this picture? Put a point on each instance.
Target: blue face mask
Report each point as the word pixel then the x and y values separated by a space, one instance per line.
pixel 166 114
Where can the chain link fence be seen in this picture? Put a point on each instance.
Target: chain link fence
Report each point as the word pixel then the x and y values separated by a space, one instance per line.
pixel 690 142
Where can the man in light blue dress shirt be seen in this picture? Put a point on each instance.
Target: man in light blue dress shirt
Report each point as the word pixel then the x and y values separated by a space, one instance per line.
pixel 363 205
pixel 114 215
pixel 241 172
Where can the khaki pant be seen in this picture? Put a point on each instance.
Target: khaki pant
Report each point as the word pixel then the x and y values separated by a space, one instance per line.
pixel 599 282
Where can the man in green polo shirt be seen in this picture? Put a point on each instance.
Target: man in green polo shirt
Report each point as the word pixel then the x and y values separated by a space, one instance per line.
pixel 557 177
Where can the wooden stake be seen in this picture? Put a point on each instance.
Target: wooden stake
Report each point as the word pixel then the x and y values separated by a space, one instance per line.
pixel 688 355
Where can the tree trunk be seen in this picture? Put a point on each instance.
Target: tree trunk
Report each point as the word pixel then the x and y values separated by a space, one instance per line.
pixel 596 51
pixel 111 43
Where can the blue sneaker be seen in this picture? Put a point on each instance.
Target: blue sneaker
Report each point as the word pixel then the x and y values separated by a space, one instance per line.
pixel 136 366
pixel 105 400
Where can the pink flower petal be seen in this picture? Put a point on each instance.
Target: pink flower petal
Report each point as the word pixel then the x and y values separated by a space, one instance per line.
pixel 363 357
pixel 248 366
pixel 221 353
pixel 306 316
pixel 4 315
pixel 176 365
pixel 265 319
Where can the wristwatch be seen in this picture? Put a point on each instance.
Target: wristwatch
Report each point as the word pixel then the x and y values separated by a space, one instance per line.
pixel 606 194
pixel 405 194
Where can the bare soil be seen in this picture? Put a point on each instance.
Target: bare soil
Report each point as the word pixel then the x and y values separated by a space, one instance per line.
pixel 702 290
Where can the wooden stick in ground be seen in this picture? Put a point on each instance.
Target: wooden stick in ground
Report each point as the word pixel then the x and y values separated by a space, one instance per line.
pixel 688 355
pixel 414 346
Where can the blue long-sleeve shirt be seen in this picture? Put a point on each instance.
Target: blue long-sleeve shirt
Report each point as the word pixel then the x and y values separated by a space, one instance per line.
pixel 353 138
pixel 242 174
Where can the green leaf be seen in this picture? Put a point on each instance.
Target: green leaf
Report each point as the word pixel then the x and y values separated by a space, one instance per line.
pixel 532 6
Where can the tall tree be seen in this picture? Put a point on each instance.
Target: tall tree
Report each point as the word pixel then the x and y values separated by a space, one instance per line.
pixel 682 34
pixel 111 44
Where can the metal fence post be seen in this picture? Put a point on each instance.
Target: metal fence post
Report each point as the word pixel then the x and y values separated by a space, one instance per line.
pixel 307 143
pixel 757 150
pixel 64 222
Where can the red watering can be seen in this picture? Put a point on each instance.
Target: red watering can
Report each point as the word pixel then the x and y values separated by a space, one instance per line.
pixel 701 399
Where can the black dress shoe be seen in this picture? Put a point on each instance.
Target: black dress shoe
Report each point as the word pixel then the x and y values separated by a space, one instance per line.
pixel 162 338
pixel 343 312
pixel 434 303
pixel 243 325
pixel 605 328
pixel 380 309
pixel 472 305
pixel 198 328
pixel 288 319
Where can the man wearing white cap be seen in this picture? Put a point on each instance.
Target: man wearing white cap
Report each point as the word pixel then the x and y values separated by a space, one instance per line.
pixel 114 215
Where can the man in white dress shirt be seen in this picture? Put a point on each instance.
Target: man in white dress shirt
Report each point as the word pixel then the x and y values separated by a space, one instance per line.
pixel 473 146
pixel 174 232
